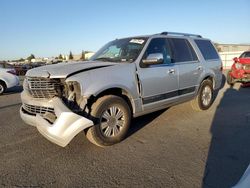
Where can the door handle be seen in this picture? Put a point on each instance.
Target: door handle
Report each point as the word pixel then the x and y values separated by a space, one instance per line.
pixel 171 71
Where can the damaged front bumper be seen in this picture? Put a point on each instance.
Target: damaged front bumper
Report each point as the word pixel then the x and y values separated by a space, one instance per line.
pixel 65 125
pixel 241 76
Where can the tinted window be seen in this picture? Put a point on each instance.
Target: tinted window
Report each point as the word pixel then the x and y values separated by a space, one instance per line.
pixel 245 55
pixel 159 45
pixel 207 49
pixel 182 50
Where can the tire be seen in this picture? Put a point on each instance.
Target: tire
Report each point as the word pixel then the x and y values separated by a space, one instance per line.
pixel 230 80
pixel 2 87
pixel 205 96
pixel 112 116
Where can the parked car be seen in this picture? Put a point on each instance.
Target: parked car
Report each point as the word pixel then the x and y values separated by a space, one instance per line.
pixel 240 70
pixel 126 78
pixel 8 79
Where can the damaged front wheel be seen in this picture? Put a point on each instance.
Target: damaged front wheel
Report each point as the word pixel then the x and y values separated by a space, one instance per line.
pixel 111 115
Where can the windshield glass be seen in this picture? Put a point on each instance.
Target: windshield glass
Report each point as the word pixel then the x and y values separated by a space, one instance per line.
pixel 120 50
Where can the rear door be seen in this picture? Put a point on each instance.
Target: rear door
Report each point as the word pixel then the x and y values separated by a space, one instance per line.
pixel 212 61
pixel 190 68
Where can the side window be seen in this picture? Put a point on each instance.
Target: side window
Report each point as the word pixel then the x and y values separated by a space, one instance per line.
pixel 207 49
pixel 182 50
pixel 159 45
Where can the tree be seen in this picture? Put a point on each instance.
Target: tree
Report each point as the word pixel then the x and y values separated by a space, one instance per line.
pixel 70 56
pixel 21 59
pixel 31 57
pixel 82 56
pixel 60 56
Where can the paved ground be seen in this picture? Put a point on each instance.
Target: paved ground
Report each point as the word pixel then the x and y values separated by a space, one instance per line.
pixel 173 148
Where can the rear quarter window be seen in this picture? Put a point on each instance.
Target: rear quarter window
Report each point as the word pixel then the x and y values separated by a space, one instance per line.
pixel 207 49
pixel 182 51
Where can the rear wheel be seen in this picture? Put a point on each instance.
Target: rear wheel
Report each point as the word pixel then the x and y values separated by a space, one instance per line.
pixel 230 80
pixel 204 98
pixel 111 115
pixel 2 88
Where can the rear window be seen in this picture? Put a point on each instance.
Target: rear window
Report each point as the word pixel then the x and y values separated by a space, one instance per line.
pixel 182 50
pixel 207 49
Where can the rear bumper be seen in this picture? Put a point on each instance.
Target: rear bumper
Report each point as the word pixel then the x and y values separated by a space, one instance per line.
pixel 66 125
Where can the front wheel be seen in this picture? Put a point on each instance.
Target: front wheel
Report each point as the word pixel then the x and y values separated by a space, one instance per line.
pixel 111 115
pixel 2 88
pixel 204 98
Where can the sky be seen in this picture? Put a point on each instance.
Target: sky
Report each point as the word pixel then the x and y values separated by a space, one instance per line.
pixel 48 28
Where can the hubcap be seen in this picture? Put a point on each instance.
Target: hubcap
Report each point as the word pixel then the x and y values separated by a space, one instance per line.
pixel 112 121
pixel 1 88
pixel 206 95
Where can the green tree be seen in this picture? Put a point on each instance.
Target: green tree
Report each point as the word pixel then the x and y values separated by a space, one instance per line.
pixel 70 56
pixel 31 57
pixel 21 59
pixel 60 56
pixel 82 56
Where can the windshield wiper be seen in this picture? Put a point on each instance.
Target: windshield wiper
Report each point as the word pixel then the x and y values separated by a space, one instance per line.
pixel 103 59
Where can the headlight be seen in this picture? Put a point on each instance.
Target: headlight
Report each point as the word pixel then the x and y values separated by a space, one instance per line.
pixel 238 65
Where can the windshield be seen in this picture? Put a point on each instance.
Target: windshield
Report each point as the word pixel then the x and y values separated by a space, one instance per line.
pixel 120 50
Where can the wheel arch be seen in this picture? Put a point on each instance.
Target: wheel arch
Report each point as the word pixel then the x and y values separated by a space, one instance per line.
pixel 3 82
pixel 209 77
pixel 117 91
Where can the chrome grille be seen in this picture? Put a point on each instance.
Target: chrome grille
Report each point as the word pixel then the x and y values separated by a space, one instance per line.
pixel 43 87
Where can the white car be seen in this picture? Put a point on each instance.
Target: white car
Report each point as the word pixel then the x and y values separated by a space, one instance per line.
pixel 8 79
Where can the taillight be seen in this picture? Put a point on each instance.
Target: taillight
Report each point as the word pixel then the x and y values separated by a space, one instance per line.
pixel 12 71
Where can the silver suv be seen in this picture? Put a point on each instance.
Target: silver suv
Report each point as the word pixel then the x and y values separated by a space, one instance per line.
pixel 126 78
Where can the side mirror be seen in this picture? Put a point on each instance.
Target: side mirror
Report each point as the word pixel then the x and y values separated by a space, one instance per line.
pixel 235 59
pixel 152 59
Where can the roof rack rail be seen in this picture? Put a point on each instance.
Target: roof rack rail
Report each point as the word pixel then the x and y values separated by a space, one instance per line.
pixel 182 34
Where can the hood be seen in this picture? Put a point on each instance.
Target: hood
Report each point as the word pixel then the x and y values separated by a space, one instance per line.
pixel 63 70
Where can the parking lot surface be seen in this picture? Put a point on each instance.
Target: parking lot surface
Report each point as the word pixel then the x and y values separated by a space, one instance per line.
pixel 177 147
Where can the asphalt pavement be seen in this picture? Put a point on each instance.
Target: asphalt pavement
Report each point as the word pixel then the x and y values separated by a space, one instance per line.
pixel 177 147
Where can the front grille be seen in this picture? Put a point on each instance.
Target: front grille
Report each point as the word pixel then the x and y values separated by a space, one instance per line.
pixel 246 67
pixel 43 87
pixel 37 109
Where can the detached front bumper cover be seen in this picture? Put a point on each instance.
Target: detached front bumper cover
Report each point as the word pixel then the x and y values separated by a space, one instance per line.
pixel 66 126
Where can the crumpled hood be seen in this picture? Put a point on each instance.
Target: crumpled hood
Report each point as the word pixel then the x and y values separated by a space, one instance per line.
pixel 63 70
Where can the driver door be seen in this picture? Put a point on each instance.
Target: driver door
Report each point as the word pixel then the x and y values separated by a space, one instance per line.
pixel 159 82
